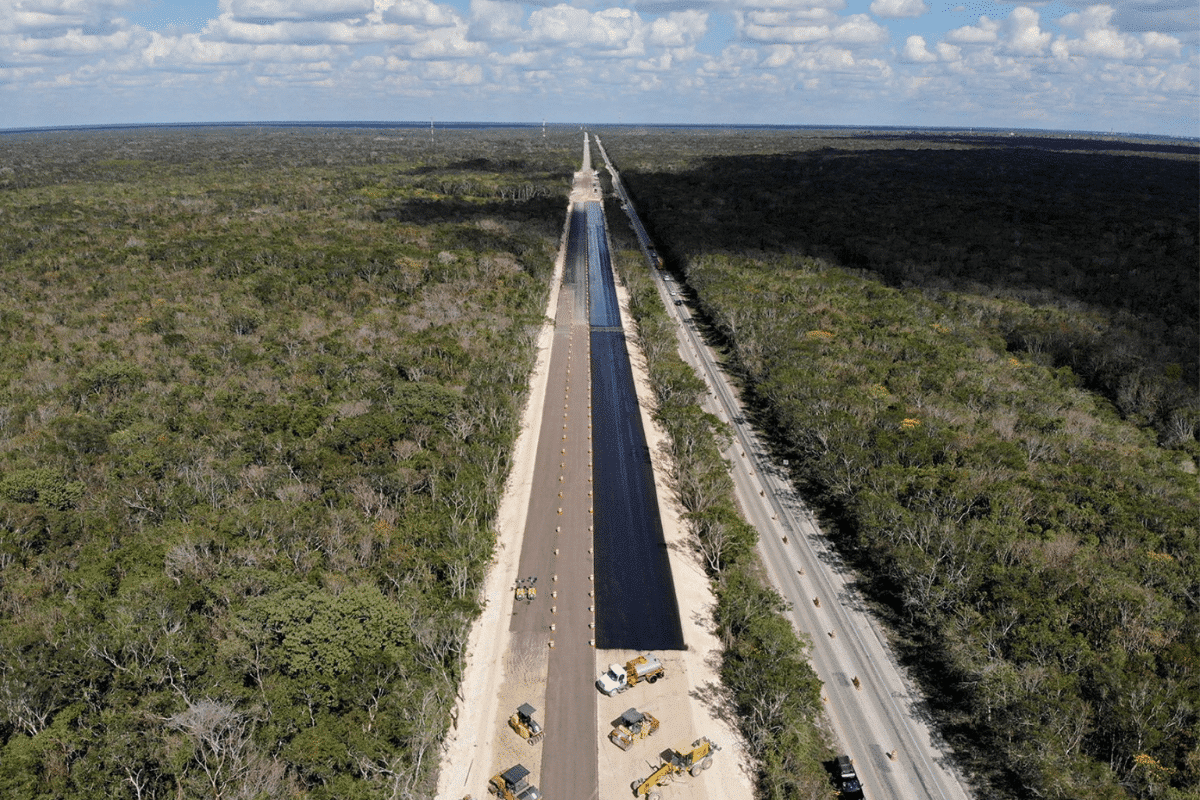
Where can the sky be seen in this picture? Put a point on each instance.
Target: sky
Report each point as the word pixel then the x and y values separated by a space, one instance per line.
pixel 1127 66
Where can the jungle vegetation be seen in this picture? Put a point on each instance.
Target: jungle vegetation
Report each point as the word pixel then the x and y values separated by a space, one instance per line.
pixel 979 356
pixel 258 395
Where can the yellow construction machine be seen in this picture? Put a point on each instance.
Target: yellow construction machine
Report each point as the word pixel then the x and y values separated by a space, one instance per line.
pixel 513 784
pixel 675 762
pixel 525 725
pixel 632 726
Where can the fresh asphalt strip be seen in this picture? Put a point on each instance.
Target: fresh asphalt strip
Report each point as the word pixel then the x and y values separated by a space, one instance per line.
pixel 636 607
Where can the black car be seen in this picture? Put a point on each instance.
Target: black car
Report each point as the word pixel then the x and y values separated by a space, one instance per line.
pixel 851 787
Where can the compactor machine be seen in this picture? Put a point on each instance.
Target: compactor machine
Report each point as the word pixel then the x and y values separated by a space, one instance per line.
pixel 525 725
pixel 675 762
pixel 632 726
pixel 513 784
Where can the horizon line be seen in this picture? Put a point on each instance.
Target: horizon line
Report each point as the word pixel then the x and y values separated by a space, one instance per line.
pixel 433 124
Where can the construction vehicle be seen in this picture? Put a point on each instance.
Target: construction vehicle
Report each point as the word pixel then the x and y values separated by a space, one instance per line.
pixel 618 679
pixel 513 784
pixel 525 589
pixel 525 725
pixel 691 760
pixel 632 726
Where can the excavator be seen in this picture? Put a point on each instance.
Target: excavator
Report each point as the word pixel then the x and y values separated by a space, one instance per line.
pixel 675 762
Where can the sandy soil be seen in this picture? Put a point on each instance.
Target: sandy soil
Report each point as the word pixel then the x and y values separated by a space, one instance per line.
pixel 690 703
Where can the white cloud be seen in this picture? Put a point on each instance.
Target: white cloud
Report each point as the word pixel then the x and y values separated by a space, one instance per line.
pixel 785 57
pixel 46 17
pixel 916 51
pixel 229 29
pixel 767 18
pixel 1099 38
pixel 423 12
pixel 983 33
pixel 678 29
pixel 899 8
pixel 298 9
pixel 407 21
pixel 612 29
pixel 451 72
pixel 1023 35
pixel 662 63
pixel 949 52
pixel 444 43
pixel 788 6
pixel 76 43
pixel 1161 45
pixel 521 58
pixel 793 23
pixel 792 34
pixel 191 52
pixel 493 20
pixel 732 60
pixel 1162 16
pixel 859 29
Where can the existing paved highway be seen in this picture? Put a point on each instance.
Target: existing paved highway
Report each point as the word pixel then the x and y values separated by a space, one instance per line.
pixel 881 722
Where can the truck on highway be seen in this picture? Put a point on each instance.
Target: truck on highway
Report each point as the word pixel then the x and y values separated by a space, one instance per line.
pixel 617 678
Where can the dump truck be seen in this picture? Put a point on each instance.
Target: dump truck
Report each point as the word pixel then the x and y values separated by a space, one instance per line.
pixel 618 679
pixel 692 760
pixel 525 725
pixel 633 725
pixel 513 784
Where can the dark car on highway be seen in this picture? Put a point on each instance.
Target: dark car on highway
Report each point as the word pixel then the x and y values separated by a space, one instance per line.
pixel 851 787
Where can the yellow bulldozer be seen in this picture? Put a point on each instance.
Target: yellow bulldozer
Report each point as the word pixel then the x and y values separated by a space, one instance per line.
pixel 525 725
pixel 632 725
pixel 692 760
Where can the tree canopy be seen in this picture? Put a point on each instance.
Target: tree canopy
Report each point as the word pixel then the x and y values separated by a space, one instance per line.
pixel 258 397
pixel 1006 451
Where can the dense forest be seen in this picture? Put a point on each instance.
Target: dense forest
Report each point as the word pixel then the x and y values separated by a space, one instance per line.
pixel 258 396
pixel 979 356
pixel 260 387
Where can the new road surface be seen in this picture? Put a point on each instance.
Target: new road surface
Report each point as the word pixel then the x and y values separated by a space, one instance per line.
pixel 877 715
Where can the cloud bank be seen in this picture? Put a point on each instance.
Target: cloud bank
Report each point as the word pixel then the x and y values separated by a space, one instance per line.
pixel 1130 65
